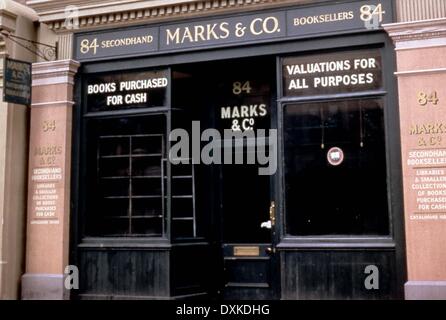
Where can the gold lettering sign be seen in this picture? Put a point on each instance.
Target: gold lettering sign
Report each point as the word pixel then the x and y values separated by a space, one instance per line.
pixel 246 251
pixel 315 20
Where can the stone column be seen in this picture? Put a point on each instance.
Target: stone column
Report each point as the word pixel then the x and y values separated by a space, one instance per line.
pixel 14 122
pixel 49 180
pixel 421 72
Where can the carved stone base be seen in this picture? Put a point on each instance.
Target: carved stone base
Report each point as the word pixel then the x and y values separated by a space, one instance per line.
pixel 44 287
pixel 425 290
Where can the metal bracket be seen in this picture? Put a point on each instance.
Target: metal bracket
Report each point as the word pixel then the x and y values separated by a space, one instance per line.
pixel 44 51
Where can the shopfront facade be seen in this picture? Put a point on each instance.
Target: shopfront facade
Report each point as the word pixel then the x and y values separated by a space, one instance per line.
pixel 304 92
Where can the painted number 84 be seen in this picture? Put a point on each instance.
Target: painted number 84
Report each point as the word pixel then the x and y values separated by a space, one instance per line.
pixel 369 12
pixel 87 45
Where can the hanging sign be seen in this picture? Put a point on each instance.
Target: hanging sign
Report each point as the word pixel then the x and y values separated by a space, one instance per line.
pixel 264 26
pixel 17 82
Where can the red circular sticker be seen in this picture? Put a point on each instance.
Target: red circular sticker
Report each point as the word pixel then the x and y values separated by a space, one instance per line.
pixel 335 156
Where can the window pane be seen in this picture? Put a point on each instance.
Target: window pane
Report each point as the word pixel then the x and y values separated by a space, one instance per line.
pixel 125 187
pixel 183 201
pixel 349 196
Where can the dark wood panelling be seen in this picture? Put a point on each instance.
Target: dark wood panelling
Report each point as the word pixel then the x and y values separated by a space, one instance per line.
pixel 252 293
pixel 249 277
pixel 249 272
pixel 336 274
pixel 190 269
pixel 115 272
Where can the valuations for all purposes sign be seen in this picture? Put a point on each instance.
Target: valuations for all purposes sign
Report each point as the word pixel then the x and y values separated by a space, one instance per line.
pixel 235 30
pixel 17 82
pixel 330 73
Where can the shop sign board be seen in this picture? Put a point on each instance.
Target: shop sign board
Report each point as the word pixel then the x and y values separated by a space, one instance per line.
pixel 17 82
pixel 253 28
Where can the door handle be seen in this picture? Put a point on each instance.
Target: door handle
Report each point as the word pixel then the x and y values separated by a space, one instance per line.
pixel 272 213
pixel 272 217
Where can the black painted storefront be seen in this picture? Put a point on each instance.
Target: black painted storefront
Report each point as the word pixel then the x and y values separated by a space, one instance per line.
pixel 192 231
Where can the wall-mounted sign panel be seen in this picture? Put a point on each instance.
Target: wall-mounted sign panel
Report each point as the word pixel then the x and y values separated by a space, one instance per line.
pixel 126 90
pixel 365 15
pixel 340 72
pixel 17 82
pixel 140 40
pixel 264 26
pixel 223 31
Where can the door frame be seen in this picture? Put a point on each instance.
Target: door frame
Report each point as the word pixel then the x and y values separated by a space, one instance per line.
pixel 218 212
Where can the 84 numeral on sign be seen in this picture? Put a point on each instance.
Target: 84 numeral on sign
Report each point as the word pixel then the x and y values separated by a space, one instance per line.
pixel 423 98
pixel 86 46
pixel 368 12
pixel 239 87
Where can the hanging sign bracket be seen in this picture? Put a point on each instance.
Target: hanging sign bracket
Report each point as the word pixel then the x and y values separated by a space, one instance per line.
pixel 44 51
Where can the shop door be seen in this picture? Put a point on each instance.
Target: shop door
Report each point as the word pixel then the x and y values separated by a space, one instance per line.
pixel 238 97
pixel 248 214
pixel 245 103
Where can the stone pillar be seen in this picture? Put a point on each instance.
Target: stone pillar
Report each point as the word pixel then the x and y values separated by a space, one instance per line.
pixel 49 180
pixel 14 123
pixel 421 72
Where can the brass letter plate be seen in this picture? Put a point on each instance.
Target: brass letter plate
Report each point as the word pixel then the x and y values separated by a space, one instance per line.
pixel 246 251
